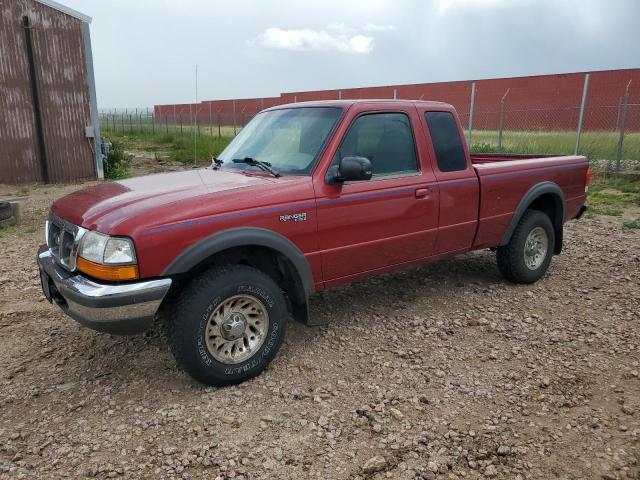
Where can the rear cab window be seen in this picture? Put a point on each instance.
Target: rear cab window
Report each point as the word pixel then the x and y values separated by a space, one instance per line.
pixel 447 144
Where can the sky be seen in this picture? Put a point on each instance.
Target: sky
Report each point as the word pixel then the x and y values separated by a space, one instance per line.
pixel 146 51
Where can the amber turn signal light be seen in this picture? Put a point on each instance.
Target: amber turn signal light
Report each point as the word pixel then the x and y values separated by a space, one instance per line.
pixel 112 273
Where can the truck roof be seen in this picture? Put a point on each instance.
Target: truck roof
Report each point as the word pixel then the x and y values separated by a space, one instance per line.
pixel 348 103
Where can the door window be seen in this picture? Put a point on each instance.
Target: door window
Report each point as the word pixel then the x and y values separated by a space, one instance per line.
pixel 386 139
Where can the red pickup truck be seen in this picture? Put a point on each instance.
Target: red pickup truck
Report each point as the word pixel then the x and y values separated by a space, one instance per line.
pixel 308 196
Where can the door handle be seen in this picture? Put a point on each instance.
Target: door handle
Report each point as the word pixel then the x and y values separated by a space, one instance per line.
pixel 422 192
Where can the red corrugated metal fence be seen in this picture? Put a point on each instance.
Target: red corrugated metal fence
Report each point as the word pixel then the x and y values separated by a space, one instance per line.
pixel 544 102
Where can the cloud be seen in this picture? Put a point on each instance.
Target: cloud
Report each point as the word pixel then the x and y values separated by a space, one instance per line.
pixel 306 39
pixel 445 5
pixel 370 27
pixel 341 28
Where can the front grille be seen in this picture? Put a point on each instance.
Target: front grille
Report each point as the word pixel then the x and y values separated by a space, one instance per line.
pixel 63 240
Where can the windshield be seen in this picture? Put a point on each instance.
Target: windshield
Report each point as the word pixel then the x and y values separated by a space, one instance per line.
pixel 288 139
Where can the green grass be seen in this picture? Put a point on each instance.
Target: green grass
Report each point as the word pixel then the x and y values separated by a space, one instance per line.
pixel 21 192
pixel 595 145
pixel 6 231
pixel 632 225
pixel 178 147
pixel 612 196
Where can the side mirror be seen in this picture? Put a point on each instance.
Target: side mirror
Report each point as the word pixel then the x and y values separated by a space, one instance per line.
pixel 350 169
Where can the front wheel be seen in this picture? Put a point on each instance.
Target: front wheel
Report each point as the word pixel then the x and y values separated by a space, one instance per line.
pixel 228 324
pixel 526 258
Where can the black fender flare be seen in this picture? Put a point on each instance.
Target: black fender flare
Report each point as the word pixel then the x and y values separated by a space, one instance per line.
pixel 542 188
pixel 241 237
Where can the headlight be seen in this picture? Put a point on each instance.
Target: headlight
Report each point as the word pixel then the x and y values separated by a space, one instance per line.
pixel 107 258
pixel 100 248
pixel 92 247
pixel 119 250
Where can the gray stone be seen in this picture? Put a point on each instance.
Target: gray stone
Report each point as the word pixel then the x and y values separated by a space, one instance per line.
pixel 374 464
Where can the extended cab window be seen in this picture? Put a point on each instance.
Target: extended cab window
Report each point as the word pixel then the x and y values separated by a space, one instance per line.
pixel 446 141
pixel 385 139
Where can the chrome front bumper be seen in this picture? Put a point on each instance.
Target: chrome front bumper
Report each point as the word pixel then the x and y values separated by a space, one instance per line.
pixel 124 308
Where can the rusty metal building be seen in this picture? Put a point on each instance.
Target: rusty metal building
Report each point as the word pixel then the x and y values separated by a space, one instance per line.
pixel 49 129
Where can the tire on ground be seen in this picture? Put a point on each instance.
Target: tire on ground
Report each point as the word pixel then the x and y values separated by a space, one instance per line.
pixel 200 299
pixel 511 257
pixel 5 211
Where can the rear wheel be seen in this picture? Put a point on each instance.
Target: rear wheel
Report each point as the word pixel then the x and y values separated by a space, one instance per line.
pixel 228 324
pixel 526 258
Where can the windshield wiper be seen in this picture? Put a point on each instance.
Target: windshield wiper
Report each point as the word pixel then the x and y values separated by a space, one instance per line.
pixel 266 166
pixel 216 163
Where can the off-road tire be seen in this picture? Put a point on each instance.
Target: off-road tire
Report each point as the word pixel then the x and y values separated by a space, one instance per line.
pixel 5 211
pixel 510 257
pixel 196 303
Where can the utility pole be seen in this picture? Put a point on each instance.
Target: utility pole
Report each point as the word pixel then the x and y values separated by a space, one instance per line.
pixel 195 125
pixel 473 97
pixel 585 90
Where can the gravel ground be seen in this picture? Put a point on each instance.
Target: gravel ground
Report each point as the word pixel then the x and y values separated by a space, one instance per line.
pixel 444 371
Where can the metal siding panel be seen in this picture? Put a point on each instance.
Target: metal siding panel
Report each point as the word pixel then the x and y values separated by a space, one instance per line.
pixel 62 80
pixel 65 102
pixel 19 161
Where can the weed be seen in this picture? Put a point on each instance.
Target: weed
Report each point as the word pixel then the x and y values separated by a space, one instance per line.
pixel 117 162
pixel 7 230
pixel 22 192
pixel 489 148
pixel 632 224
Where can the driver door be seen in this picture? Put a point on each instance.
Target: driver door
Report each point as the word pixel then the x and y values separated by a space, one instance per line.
pixel 390 220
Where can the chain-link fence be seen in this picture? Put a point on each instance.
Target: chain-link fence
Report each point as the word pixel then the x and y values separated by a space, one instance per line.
pixel 143 121
pixel 599 119
pixel 599 129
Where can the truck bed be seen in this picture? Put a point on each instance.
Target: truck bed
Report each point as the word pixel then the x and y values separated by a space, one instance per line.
pixel 506 179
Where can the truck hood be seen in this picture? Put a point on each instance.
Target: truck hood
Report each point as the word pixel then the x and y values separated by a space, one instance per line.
pixel 102 207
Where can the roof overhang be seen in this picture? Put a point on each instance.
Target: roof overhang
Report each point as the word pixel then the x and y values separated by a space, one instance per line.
pixel 64 9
